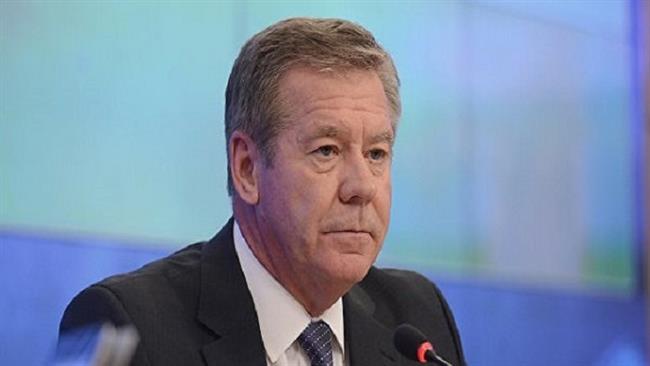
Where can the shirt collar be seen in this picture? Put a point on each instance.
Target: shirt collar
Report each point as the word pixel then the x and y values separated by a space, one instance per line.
pixel 281 317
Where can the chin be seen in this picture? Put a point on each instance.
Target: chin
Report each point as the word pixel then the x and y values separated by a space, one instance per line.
pixel 351 268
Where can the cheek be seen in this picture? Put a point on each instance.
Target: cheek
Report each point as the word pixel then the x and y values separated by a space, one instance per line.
pixel 297 204
pixel 384 197
pixel 316 192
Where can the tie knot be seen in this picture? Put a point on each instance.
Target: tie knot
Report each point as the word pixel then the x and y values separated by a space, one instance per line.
pixel 316 340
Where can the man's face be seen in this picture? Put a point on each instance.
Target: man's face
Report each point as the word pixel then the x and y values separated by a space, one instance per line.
pixel 324 203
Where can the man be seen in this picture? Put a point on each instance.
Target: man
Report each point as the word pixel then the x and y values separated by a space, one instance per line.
pixel 312 107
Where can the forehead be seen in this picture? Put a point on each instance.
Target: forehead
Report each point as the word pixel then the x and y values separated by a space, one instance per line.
pixel 308 92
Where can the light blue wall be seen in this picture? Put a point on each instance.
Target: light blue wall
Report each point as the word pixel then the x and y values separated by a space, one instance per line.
pixel 111 124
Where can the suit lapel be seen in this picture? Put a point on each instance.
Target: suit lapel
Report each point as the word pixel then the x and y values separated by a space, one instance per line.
pixel 226 306
pixel 369 342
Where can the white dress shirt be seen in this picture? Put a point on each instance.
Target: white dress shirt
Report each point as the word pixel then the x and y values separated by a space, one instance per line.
pixel 281 317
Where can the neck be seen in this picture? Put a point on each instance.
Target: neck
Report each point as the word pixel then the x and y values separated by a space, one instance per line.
pixel 315 294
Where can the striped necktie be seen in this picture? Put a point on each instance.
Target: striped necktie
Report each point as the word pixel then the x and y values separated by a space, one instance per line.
pixel 316 340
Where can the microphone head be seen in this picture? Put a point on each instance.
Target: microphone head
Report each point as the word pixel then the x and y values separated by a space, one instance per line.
pixel 411 343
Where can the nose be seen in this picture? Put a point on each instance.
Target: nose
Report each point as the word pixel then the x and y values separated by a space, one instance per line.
pixel 358 183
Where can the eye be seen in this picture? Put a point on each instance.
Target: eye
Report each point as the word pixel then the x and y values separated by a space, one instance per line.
pixel 326 151
pixel 377 154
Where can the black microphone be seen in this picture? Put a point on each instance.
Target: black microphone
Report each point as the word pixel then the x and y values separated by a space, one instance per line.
pixel 411 343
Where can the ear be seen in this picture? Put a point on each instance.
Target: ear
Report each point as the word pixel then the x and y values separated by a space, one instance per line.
pixel 244 166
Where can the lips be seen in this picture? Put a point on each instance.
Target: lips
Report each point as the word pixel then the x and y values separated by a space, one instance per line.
pixel 351 233
pixel 350 227
pixel 348 232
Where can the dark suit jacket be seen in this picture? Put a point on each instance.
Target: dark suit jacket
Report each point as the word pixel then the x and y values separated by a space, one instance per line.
pixel 194 308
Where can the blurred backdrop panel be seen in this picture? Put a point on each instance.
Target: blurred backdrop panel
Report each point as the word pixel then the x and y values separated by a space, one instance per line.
pixel 516 169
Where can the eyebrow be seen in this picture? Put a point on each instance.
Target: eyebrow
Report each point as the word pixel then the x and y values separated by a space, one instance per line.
pixel 386 136
pixel 331 131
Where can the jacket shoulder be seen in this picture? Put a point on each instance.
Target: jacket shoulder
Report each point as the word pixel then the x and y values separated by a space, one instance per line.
pixel 402 296
pixel 407 288
pixel 141 294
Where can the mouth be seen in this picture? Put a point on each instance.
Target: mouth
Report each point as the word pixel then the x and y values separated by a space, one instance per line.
pixel 352 233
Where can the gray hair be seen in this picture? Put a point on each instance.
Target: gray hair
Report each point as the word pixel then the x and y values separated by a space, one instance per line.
pixel 252 104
